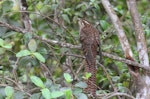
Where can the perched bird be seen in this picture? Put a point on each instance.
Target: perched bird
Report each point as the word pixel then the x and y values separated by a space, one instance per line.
pixel 89 38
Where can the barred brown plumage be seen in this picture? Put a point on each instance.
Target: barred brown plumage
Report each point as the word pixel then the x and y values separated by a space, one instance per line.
pixel 89 38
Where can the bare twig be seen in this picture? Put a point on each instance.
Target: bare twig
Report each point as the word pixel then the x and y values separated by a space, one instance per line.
pixel 46 70
pixel 129 62
pixel 14 70
pixel 109 79
pixel 61 44
pixel 5 85
pixel 78 70
pixel 33 90
pixel 74 55
pixel 118 94
pixel 19 88
pixel 17 84
pixel 14 28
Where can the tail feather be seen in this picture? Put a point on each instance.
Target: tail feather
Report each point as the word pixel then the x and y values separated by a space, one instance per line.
pixel 90 67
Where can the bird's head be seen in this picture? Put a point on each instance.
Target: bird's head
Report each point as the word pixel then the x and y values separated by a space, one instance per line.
pixel 83 23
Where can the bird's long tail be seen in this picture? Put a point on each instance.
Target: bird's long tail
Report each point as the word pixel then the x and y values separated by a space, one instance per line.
pixel 90 67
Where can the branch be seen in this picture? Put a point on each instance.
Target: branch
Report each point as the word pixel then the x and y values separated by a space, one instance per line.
pixel 129 62
pixel 109 79
pixel 139 33
pixel 25 15
pixel 68 45
pixel 117 58
pixel 17 29
pixel 118 94
pixel 142 50
pixel 118 26
pixel 54 42
pixel 121 35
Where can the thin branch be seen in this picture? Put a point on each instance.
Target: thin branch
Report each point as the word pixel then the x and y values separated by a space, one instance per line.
pixel 17 29
pixel 129 62
pixel 54 42
pixel 25 15
pixel 17 84
pixel 117 58
pixel 5 85
pixel 74 55
pixel 78 70
pixel 46 70
pixel 109 79
pixel 118 94
pixel 14 70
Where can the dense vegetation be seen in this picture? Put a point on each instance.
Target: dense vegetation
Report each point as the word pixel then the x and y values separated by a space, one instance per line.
pixel 36 68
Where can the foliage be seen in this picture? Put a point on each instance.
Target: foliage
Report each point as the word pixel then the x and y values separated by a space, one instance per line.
pixel 21 55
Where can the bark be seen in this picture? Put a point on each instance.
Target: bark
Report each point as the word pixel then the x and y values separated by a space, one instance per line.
pixel 144 90
pixel 138 83
pixel 121 35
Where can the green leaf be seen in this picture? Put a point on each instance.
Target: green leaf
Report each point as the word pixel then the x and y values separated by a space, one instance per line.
pixel 2 50
pixel 68 77
pixel 32 45
pixel 9 91
pixel 96 6
pixel 104 24
pixel 1 42
pixel 43 50
pixel 66 18
pixel 115 78
pixel 68 94
pixel 23 53
pixel 56 94
pixel 87 75
pixel 81 96
pixel 28 60
pixel 19 95
pixel 81 85
pixel 39 57
pixel 8 34
pixel 7 5
pixel 39 5
pixel 37 81
pixel 46 93
pixel 77 90
pixel 35 96
pixel 7 46
pixel 54 6
pixel 27 37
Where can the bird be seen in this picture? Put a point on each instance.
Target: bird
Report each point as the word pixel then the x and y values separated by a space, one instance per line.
pixel 90 41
